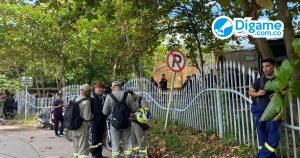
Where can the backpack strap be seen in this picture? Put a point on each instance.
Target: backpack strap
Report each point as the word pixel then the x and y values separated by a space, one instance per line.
pixel 113 97
pixel 140 101
pixel 124 97
pixel 78 102
pixel 81 100
pixel 262 82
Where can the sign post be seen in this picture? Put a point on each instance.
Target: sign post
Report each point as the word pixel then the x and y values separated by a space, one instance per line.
pixel 27 82
pixel 176 62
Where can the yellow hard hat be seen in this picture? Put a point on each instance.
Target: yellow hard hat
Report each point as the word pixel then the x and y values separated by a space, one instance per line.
pixel 143 115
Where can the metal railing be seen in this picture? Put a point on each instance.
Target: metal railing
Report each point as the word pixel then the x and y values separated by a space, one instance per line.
pixel 216 100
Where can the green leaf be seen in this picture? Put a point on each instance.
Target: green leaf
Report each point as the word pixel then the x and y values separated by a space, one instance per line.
pixel 238 2
pixel 55 5
pixel 284 73
pixel 295 87
pixel 275 106
pixel 272 85
pixel 91 16
pixel 225 2
pixel 295 62
pixel 268 4
pixel 296 45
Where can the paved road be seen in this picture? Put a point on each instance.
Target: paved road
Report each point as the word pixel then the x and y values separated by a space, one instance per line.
pixel 29 142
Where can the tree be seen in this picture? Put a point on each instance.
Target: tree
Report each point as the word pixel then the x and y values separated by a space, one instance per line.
pixel 282 10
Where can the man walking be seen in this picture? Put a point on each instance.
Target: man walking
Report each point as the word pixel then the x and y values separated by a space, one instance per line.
pixel 119 105
pixel 58 117
pixel 99 121
pixel 81 135
pixel 268 131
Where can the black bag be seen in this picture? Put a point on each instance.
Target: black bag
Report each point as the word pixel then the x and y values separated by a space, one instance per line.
pixel 72 118
pixel 121 113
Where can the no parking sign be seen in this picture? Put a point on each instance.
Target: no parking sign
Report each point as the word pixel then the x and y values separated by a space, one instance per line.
pixel 176 60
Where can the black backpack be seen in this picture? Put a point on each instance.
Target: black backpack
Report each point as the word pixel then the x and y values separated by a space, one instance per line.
pixel 72 118
pixel 121 113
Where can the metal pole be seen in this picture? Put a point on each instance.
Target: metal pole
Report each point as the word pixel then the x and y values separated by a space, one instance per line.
pixel 220 119
pixel 26 103
pixel 169 102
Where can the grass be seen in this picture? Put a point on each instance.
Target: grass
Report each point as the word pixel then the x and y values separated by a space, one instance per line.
pixel 30 120
pixel 181 141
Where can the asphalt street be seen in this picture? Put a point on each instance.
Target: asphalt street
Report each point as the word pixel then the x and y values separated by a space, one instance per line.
pixel 30 142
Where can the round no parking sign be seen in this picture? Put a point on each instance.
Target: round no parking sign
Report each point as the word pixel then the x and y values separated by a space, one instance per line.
pixel 176 60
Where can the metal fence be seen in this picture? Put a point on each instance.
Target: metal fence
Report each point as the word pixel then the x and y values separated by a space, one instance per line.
pixel 219 101
pixel 42 104
pixel 216 100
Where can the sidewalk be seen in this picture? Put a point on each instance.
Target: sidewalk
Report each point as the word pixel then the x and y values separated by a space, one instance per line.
pixel 29 142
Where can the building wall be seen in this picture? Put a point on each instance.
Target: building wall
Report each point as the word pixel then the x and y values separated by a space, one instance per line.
pixel 249 58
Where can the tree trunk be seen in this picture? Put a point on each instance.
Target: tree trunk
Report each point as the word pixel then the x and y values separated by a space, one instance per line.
pixel 57 84
pixel 114 71
pixel 89 77
pixel 141 65
pixel 199 51
pixel 61 64
pixel 288 31
pixel 135 69
pixel 43 83
pixel 37 86
pixel 251 10
pixel 264 48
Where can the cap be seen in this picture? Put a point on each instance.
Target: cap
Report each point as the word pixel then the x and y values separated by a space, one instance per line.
pixel 98 85
pixel 116 83
pixel 85 87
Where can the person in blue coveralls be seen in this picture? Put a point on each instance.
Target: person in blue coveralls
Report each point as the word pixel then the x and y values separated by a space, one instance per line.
pixel 268 131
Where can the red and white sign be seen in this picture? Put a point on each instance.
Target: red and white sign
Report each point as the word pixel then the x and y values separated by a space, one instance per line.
pixel 176 60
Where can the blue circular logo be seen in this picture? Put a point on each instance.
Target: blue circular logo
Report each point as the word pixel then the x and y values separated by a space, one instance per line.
pixel 222 27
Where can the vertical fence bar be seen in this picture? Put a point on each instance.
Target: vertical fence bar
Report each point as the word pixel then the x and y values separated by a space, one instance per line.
pixel 210 124
pixel 232 99
pixel 229 95
pixel 237 112
pixel 200 87
pixel 245 103
pixel 241 87
pixel 227 127
pixel 292 124
pixel 214 101
pixel 251 78
pixel 211 107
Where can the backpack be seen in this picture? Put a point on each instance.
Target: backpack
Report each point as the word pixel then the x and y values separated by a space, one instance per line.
pixel 72 118
pixel 121 113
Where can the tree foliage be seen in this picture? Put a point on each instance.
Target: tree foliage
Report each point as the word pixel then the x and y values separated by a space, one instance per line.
pixel 61 42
